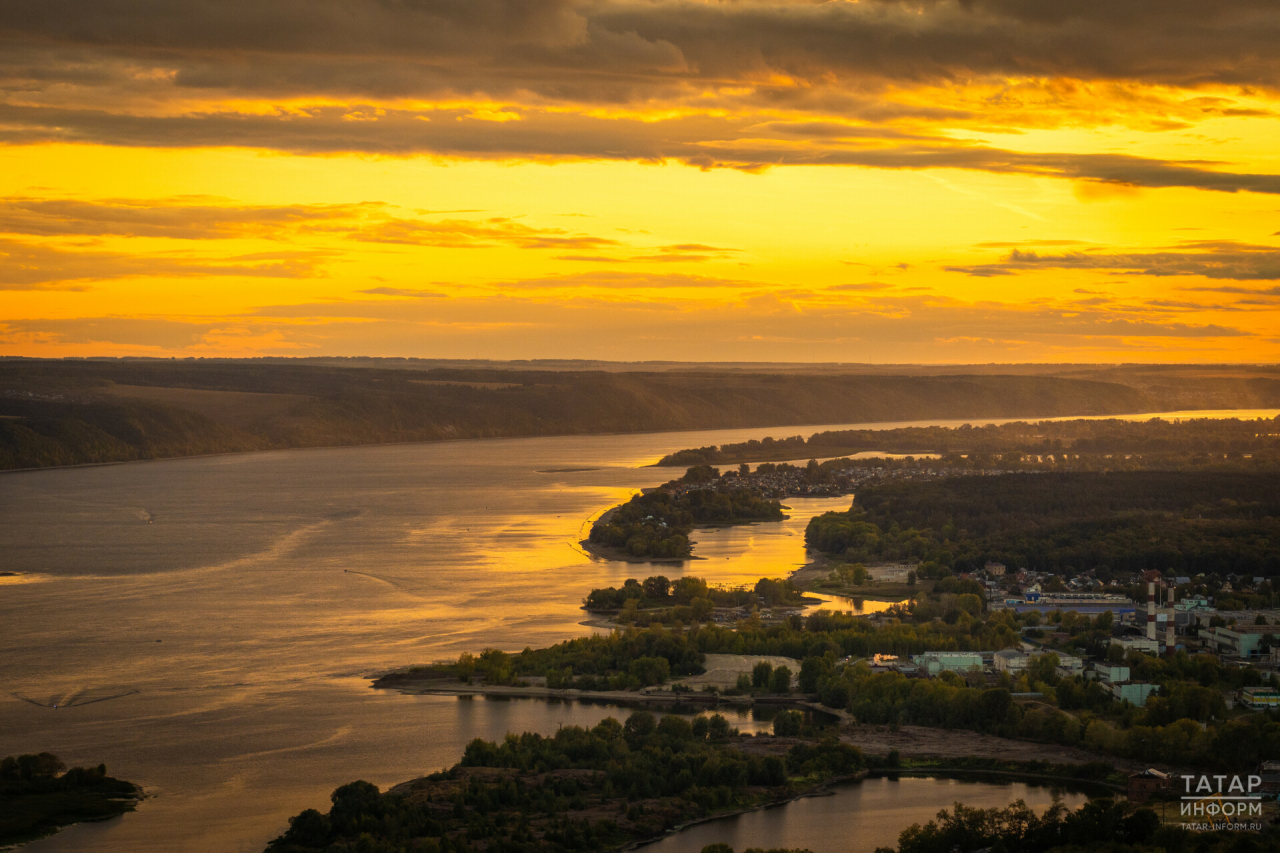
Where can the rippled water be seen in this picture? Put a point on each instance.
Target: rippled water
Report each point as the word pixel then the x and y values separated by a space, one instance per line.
pixel 205 626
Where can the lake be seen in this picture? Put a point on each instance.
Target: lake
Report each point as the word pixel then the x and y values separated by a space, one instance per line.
pixel 858 817
pixel 206 626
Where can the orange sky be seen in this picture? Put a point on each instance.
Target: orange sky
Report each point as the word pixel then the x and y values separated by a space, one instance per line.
pixel 851 180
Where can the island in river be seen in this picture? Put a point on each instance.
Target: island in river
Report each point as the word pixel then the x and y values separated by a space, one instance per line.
pixel 656 523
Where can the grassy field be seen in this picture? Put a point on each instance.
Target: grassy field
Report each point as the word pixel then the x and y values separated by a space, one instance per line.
pixel 238 409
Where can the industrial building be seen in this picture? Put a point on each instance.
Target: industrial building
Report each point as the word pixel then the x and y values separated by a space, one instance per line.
pixel 1242 641
pixel 935 663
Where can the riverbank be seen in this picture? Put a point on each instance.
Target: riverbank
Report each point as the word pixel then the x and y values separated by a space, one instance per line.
pixel 909 742
pixel 584 788
pixel 619 555
pixel 406 684
pixel 818 568
pixel 36 802
pixel 820 789
pixel 190 408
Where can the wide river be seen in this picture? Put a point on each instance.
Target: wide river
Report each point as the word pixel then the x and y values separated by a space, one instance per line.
pixel 206 626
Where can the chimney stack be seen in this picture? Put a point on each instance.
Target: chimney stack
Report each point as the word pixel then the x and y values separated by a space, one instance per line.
pixel 1151 610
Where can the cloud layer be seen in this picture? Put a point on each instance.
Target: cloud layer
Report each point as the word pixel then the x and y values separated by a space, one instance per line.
pixel 1211 259
pixel 734 319
pixel 745 85
pixel 1159 107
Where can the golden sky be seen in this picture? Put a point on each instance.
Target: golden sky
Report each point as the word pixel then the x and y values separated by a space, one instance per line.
pixel 848 180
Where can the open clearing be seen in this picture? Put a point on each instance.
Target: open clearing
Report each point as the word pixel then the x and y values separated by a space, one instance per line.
pixel 239 409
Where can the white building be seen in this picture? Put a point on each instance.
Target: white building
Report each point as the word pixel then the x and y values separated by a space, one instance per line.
pixel 1141 644
pixel 1111 673
pixel 1069 665
pixel 1011 661
pixel 1133 692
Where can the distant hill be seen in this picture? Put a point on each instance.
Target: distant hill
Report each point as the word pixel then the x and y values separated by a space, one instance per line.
pixel 71 412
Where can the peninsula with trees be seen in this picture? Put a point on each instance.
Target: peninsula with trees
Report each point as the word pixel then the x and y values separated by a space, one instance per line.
pixel 39 796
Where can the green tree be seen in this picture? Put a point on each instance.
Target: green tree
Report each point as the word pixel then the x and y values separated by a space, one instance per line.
pixel 309 828
pixel 780 682
pixel 1043 668
pixel 760 674
pixel 656 588
pixel 687 588
pixel 650 670
pixel 788 723
pixel 44 765
pixel 718 728
pixel 812 670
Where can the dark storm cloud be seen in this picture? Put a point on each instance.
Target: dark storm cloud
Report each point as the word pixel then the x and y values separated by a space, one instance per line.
pixel 1219 260
pixel 613 50
pixel 176 74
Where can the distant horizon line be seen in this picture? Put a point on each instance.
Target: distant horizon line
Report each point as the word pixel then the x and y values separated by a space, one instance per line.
pixel 646 362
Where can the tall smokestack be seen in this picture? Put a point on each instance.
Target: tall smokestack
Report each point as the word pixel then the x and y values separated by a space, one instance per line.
pixel 1151 610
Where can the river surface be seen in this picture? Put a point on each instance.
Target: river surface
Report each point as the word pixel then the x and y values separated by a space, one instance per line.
pixel 206 626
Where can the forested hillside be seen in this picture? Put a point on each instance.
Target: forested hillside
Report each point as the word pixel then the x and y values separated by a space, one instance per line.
pixel 69 412
pixel 1188 521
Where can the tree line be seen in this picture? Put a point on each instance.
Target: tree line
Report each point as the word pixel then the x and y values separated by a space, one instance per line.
pixel 1156 438
pixel 1189 521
